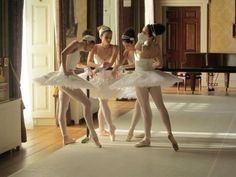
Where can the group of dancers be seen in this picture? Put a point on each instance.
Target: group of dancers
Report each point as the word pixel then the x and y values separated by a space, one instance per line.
pixel 104 84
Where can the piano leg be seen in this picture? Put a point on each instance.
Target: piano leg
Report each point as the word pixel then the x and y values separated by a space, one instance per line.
pixel 227 76
pixel 193 81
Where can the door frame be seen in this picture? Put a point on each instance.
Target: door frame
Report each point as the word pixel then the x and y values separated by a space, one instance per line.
pixel 203 4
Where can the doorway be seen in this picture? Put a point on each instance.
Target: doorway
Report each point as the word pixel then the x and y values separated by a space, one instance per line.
pixel 37 59
pixel 182 34
pixel 124 14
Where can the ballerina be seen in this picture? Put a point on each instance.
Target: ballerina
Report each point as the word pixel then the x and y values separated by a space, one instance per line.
pixel 101 57
pixel 69 85
pixel 128 41
pixel 147 81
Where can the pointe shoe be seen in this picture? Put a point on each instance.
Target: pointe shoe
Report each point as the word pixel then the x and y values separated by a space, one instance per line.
pixel 112 133
pixel 68 140
pixel 140 135
pixel 96 141
pixel 129 137
pixel 174 143
pixel 143 143
pixel 103 133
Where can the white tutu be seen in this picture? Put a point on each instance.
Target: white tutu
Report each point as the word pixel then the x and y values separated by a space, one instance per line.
pixel 102 82
pixel 141 78
pixel 58 78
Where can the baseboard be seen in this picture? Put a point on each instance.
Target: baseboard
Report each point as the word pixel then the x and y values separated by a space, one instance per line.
pixel 44 121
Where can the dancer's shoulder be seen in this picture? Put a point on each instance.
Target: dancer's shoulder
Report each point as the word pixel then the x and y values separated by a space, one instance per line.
pixel 74 45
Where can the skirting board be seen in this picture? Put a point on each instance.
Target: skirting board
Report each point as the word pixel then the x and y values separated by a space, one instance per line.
pixel 44 121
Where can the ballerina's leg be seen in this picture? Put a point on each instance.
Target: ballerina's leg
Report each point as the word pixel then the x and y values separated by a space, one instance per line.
pixel 156 94
pixel 79 95
pixel 101 122
pixel 134 121
pixel 107 115
pixel 64 100
pixel 158 100
pixel 143 99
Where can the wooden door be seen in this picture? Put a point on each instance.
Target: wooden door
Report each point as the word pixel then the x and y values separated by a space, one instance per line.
pixel 131 14
pixel 94 16
pixel 182 34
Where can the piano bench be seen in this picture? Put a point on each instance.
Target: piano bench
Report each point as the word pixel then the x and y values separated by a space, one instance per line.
pixel 186 76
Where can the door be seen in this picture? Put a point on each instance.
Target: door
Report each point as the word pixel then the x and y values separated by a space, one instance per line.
pixel 131 14
pixel 40 54
pixel 182 33
pixel 109 17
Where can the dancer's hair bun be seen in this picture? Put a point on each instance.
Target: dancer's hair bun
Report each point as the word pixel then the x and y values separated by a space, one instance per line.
pixel 88 36
pixel 156 29
pixel 129 35
pixel 87 32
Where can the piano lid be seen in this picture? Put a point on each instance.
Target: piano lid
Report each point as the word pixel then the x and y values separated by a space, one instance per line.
pixel 210 60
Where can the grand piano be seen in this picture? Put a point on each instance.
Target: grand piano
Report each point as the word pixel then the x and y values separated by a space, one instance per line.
pixel 209 63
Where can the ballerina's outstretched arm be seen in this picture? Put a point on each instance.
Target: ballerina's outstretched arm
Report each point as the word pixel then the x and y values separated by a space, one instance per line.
pixel 69 49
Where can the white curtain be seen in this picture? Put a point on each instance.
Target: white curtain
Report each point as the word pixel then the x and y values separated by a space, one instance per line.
pixel 25 84
pixel 149 12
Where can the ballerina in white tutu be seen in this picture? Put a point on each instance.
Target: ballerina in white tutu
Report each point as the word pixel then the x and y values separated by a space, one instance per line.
pixel 102 57
pixel 147 81
pixel 70 85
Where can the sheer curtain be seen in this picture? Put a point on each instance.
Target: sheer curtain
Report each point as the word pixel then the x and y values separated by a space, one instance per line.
pixel 25 84
pixel 149 12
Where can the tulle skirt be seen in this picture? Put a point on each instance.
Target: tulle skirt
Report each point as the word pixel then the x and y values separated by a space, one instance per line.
pixel 102 82
pixel 142 78
pixel 58 78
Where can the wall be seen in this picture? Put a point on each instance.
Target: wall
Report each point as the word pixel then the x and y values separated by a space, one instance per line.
pixel 81 11
pixel 219 37
pixel 81 14
pixel 221 18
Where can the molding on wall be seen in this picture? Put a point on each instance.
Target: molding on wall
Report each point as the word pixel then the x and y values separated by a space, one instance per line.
pixel 204 15
pixel 44 121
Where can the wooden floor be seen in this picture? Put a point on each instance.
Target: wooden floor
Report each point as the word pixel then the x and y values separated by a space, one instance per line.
pixel 44 140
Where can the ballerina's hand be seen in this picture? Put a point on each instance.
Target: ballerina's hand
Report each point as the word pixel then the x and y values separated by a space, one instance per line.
pixel 92 74
pixel 106 65
pixel 141 38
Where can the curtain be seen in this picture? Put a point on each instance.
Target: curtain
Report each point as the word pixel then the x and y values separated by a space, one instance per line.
pixel 149 12
pixel 15 12
pixel 70 18
pixel 61 19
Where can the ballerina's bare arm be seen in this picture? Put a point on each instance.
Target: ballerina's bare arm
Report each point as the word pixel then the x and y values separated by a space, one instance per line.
pixel 90 60
pixel 122 60
pixel 126 55
pixel 113 58
pixel 69 49
pixel 158 61
pixel 149 51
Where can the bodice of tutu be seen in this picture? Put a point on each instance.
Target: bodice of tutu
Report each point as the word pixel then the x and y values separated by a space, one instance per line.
pixel 72 60
pixel 97 59
pixel 142 64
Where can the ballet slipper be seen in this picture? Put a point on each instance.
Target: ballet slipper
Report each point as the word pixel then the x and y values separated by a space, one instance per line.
pixel 140 135
pixel 67 140
pixel 174 143
pixel 129 136
pixel 103 133
pixel 95 140
pixel 144 143
pixel 112 133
